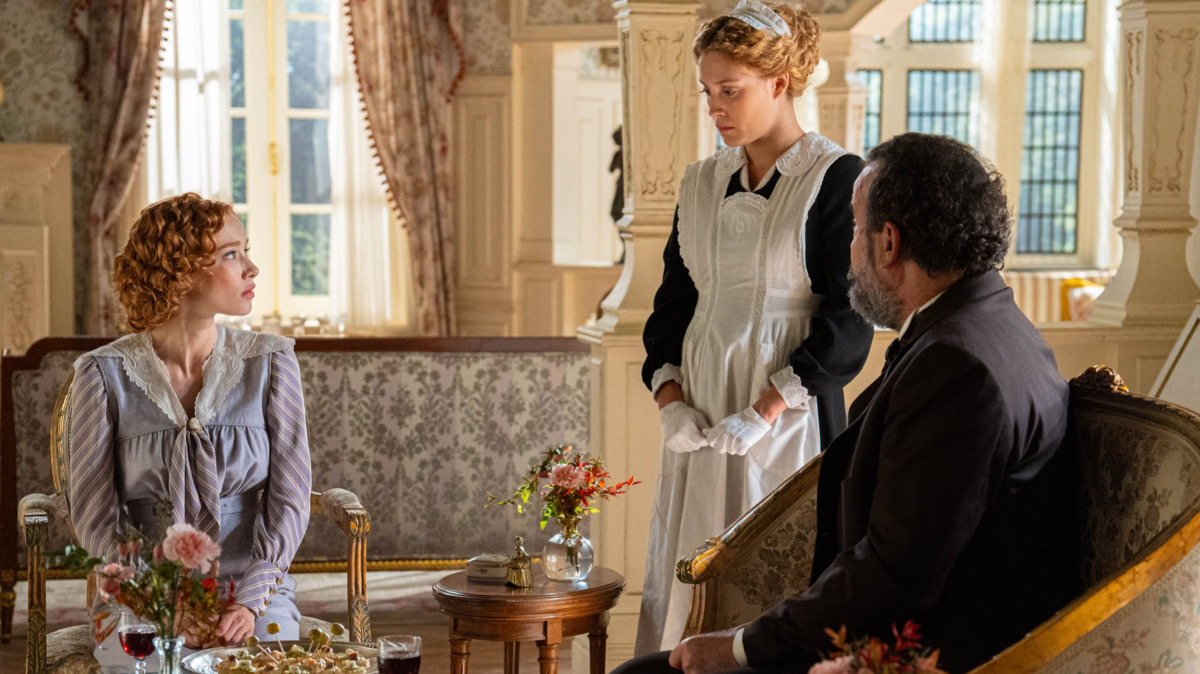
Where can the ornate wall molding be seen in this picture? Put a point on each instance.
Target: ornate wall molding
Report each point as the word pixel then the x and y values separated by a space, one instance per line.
pixel 661 71
pixel 1133 77
pixel 1174 61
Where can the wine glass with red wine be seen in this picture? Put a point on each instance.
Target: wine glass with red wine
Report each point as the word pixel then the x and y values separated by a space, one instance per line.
pixel 137 638
pixel 400 654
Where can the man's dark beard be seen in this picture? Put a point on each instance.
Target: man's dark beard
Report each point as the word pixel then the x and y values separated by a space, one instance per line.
pixel 872 299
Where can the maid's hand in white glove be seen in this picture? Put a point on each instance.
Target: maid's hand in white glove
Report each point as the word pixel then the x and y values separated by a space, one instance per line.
pixel 737 433
pixel 682 427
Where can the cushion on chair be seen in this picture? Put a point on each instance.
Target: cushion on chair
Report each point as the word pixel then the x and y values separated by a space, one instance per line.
pixel 69 651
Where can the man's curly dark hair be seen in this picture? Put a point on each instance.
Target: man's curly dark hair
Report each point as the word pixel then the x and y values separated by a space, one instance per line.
pixel 946 200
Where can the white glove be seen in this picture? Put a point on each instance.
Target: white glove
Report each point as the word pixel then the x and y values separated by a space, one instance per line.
pixel 737 433
pixel 682 427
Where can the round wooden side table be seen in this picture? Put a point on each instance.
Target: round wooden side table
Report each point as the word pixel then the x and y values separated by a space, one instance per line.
pixel 546 613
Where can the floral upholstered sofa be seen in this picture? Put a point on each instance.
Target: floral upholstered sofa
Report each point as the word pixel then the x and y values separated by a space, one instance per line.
pixel 416 429
pixel 1140 562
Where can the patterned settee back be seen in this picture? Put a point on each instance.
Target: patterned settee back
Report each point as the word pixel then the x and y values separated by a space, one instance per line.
pixel 420 436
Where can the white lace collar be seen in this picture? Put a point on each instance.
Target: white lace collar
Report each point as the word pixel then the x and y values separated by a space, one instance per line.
pixel 221 372
pixel 798 159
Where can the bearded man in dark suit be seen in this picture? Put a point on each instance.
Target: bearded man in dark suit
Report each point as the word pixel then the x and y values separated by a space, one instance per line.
pixel 951 497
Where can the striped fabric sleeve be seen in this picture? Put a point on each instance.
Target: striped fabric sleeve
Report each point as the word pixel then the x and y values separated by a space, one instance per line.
pixel 283 517
pixel 95 507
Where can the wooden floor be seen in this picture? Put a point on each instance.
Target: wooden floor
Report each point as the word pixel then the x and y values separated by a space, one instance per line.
pixel 432 627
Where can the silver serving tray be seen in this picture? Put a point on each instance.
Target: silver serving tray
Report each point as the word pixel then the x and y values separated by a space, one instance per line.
pixel 201 662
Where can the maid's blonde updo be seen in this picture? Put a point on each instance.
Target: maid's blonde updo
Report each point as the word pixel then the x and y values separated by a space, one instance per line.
pixel 765 52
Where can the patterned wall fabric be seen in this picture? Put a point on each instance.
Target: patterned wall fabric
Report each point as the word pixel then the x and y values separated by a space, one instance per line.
pixel 38 60
pixel 420 437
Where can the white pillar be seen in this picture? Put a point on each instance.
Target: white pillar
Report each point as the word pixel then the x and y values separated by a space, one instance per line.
pixel 1160 83
pixel 842 99
pixel 659 117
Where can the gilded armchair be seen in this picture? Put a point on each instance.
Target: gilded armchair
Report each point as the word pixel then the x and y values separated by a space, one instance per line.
pixel 1140 562
pixel 70 649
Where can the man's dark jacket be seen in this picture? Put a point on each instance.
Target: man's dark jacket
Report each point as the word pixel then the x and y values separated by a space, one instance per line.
pixel 950 498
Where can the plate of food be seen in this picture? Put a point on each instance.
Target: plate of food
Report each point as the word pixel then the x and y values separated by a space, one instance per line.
pixel 317 655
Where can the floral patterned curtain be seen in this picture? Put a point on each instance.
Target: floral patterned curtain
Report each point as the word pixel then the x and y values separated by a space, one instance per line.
pixel 118 79
pixel 408 58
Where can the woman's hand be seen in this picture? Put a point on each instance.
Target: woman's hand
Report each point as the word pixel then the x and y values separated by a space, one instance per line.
pixel 770 405
pixel 670 392
pixel 237 623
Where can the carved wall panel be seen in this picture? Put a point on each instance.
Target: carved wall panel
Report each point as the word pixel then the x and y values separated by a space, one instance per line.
pixel 1174 63
pixel 1133 77
pixel 36 279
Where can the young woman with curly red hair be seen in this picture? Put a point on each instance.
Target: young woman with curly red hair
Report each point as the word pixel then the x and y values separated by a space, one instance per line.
pixel 187 413
pixel 752 336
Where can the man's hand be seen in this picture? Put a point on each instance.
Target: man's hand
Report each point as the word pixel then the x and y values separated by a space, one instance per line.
pixel 703 653
pixel 237 623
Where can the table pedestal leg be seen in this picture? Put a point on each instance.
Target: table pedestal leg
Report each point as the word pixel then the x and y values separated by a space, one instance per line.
pixel 459 652
pixel 512 657
pixel 597 640
pixel 548 658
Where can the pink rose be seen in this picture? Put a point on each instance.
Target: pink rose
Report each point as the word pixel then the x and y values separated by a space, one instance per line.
pixel 839 666
pixel 110 577
pixel 190 547
pixel 568 476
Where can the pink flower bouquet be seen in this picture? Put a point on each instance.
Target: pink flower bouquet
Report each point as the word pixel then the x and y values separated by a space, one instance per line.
pixel 169 587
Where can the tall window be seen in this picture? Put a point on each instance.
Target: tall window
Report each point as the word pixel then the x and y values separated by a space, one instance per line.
pixel 873 81
pixel 945 21
pixel 1049 207
pixel 944 102
pixel 279 130
pixel 1059 20
pixel 1008 77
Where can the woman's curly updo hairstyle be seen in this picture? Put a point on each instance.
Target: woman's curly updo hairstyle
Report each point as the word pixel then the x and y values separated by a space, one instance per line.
pixel 171 240
pixel 765 52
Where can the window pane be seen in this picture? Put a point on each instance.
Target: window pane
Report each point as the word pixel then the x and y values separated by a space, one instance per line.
pixel 235 4
pixel 945 21
pixel 238 138
pixel 1049 206
pixel 310 254
pixel 943 102
pixel 873 80
pixel 308 64
pixel 237 64
pixel 1058 20
pixel 310 160
pixel 308 6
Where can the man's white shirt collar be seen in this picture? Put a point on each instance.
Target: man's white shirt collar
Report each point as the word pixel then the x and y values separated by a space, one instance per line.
pixel 923 307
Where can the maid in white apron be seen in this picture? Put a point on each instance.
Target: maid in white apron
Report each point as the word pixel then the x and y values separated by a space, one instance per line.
pixel 752 337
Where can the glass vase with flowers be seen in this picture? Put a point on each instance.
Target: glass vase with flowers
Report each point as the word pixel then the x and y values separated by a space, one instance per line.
pixel 169 593
pixel 570 484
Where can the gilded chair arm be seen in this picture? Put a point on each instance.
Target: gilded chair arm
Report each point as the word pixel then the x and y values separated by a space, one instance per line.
pixel 706 561
pixel 35 513
pixel 344 509
pixel 347 512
